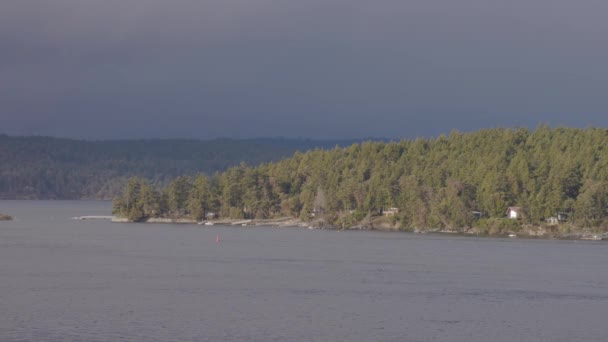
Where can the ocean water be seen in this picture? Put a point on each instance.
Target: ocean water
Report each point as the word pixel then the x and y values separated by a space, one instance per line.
pixel 69 280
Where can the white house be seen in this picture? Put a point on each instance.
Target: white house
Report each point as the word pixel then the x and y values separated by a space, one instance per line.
pixel 514 213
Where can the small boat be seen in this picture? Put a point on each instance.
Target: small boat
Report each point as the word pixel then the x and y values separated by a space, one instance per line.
pixel 208 223
pixel 512 235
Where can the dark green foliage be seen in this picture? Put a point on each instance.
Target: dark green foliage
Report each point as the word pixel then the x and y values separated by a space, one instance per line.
pixel 177 195
pixel 435 183
pixel 139 202
pixel 495 225
pixel 200 198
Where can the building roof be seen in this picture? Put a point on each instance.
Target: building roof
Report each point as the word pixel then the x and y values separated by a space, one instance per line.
pixel 515 209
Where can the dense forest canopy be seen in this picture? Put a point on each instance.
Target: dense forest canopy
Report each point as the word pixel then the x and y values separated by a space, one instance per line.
pixel 458 181
pixel 53 168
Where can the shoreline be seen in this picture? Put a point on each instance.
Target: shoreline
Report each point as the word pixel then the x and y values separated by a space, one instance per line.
pixel 530 233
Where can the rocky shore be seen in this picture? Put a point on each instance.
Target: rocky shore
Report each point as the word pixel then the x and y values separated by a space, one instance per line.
pixel 279 222
pixel 154 220
pixel 382 225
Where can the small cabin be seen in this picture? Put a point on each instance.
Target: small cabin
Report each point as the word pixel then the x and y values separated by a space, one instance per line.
pixel 210 215
pixel 476 214
pixel 552 220
pixel 514 213
pixel 560 218
pixel 390 211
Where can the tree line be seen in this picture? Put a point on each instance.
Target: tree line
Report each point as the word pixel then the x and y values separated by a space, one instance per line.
pixel 458 181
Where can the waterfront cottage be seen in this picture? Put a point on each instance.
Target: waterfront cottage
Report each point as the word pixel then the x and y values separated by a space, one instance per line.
pixel 514 213
pixel 552 220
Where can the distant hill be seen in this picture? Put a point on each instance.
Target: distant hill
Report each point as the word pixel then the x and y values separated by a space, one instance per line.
pixel 55 168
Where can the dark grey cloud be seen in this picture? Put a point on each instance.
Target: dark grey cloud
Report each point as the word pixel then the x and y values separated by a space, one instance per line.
pixel 317 68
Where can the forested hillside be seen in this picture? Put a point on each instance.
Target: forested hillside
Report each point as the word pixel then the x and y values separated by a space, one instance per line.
pixel 52 168
pixel 434 183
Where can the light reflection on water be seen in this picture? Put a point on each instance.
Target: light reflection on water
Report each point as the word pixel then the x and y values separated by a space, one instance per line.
pixel 67 280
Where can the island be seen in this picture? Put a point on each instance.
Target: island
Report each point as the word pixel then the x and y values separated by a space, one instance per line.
pixel 550 182
pixel 4 217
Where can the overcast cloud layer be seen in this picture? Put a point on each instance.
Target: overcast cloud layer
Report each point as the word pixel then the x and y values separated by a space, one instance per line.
pixel 314 68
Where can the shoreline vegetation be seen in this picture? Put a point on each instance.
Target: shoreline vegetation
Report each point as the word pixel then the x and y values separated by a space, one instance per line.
pixel 4 217
pixel 287 222
pixel 496 182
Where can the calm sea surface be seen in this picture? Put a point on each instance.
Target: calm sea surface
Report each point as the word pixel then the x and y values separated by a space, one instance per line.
pixel 68 280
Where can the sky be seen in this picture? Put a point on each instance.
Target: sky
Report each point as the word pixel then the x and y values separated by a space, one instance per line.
pixel 316 68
